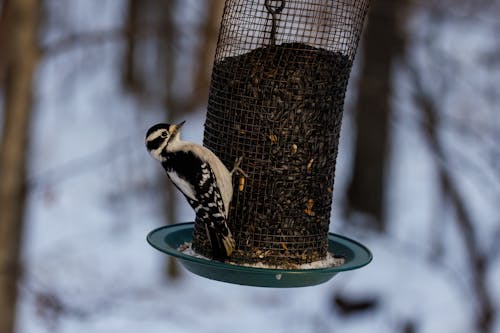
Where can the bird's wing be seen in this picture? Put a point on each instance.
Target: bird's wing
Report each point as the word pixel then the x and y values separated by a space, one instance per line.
pixel 209 208
pixel 184 186
pixel 195 179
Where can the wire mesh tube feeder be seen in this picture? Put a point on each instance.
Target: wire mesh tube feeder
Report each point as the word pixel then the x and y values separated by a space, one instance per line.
pixel 276 98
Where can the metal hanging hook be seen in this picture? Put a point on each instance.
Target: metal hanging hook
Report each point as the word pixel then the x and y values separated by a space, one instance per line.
pixel 274 10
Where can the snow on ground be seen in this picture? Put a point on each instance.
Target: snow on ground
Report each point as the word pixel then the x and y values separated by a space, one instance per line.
pixel 93 201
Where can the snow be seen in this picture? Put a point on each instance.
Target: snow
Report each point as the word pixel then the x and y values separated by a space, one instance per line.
pixel 94 196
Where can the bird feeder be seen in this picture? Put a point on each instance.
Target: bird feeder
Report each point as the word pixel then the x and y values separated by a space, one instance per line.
pixel 276 99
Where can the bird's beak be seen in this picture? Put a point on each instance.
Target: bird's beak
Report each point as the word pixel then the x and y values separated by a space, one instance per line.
pixel 176 128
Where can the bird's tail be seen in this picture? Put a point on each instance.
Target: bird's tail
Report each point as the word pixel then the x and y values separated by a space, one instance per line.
pixel 221 240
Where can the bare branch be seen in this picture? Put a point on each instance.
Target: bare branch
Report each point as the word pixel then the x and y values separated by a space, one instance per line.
pixel 93 38
pixel 477 259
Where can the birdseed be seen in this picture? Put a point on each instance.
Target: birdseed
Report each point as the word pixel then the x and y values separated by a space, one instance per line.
pixel 280 107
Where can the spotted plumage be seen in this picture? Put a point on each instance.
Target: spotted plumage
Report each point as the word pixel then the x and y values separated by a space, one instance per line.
pixel 201 177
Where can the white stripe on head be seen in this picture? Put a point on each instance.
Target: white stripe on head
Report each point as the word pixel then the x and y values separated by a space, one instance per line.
pixel 156 153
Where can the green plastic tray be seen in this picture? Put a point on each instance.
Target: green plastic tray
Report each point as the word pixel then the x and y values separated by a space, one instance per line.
pixel 168 239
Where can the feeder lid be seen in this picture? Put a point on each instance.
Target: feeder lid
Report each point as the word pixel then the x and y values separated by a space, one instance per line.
pixel 168 239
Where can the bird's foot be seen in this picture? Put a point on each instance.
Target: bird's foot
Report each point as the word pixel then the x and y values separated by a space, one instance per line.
pixel 237 169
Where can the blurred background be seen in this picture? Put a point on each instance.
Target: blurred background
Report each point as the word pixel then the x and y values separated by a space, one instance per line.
pixel 418 173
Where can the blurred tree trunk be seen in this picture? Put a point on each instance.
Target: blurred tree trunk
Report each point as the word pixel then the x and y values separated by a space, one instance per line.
pixel 20 59
pixel 171 215
pixel 4 24
pixel 137 77
pixel 383 42
pixel 199 94
pixel 206 50
pixel 129 79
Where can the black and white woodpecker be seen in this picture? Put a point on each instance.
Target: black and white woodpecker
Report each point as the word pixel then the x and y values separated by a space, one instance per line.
pixel 203 179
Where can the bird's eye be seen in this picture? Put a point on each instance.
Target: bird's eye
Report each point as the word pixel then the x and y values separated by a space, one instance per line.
pixel 164 134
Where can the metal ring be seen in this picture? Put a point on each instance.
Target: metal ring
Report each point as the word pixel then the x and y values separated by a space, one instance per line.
pixel 272 10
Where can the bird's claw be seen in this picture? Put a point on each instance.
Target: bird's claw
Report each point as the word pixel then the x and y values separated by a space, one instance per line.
pixel 236 167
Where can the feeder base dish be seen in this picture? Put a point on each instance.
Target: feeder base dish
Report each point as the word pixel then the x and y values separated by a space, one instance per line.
pixel 168 239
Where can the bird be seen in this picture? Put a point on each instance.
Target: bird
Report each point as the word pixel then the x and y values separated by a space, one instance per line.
pixel 201 177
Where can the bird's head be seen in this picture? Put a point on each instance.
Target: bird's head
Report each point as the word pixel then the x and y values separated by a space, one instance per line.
pixel 161 136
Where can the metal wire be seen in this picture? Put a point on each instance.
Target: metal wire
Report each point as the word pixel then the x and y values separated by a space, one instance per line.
pixel 277 100
pixel 274 11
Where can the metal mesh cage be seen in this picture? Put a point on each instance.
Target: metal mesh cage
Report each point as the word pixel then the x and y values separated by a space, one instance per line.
pixel 276 98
